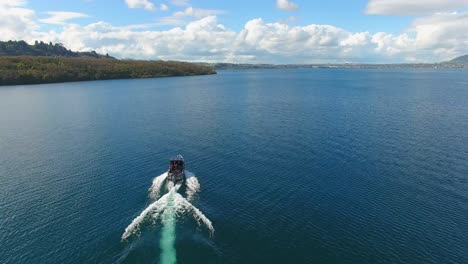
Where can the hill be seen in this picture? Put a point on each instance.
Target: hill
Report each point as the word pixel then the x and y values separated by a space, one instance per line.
pixel 461 59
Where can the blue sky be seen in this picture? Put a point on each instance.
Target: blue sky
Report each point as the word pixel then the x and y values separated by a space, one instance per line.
pixel 263 31
pixel 349 15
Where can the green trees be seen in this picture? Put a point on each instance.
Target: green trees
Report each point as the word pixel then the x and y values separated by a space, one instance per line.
pixel 21 63
pixel 33 70
pixel 21 48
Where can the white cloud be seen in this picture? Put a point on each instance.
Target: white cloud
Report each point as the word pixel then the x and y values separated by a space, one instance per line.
pixel 434 38
pixel 16 22
pixel 413 7
pixel 356 39
pixel 204 39
pixel 311 43
pixel 185 16
pixel 286 5
pixel 12 3
pixel 197 12
pixel 163 7
pixel 140 4
pixel 61 18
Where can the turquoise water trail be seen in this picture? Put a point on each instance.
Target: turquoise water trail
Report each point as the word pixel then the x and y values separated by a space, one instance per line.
pixel 168 237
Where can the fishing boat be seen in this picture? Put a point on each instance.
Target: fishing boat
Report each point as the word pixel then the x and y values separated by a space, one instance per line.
pixel 176 169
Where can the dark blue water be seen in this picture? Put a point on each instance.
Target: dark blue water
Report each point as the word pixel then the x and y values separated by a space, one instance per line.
pixel 295 166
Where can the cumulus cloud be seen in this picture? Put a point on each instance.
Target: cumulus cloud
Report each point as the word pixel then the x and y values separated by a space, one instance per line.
pixel 434 38
pixel 304 44
pixel 204 40
pixel 140 4
pixel 207 40
pixel 413 7
pixel 286 5
pixel 16 22
pixel 61 18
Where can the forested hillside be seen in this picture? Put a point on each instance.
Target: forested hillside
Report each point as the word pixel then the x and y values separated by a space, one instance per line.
pixel 21 63
pixel 33 70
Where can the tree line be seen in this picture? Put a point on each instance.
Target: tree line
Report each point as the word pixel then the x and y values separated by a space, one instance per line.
pixel 21 63
pixel 34 70
pixel 39 48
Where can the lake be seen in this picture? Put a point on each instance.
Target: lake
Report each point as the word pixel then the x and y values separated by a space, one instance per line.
pixel 293 166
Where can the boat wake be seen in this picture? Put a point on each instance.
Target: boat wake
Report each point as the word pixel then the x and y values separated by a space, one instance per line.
pixel 167 208
pixel 155 188
pixel 193 187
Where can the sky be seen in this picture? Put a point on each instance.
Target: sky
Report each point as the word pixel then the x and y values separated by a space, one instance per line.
pixel 260 31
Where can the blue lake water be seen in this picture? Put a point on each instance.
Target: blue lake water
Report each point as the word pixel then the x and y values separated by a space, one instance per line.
pixel 294 166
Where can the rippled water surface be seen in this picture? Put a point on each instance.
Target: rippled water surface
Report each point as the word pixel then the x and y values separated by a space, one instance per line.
pixel 294 166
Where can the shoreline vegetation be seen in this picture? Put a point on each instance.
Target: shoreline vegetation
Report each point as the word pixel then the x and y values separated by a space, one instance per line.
pixel 17 70
pixel 21 63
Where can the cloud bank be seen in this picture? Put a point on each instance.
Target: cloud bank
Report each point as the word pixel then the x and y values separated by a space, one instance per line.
pixel 432 38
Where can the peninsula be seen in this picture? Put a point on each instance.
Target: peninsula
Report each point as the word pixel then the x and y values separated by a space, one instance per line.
pixel 21 63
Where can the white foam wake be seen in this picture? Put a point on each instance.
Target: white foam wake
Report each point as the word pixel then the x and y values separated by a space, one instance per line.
pixel 184 206
pixel 193 186
pixel 155 188
pixel 169 204
pixel 156 208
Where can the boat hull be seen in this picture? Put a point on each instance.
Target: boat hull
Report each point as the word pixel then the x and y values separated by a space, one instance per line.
pixel 176 171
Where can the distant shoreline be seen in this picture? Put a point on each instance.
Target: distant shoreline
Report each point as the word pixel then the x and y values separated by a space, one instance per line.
pixel 443 65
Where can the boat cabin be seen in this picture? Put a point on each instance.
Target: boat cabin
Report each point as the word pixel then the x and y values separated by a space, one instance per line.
pixel 176 168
